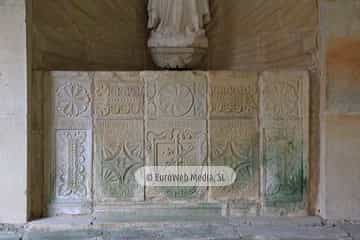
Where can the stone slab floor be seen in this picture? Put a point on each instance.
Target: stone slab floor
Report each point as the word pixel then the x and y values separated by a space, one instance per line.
pixel 103 227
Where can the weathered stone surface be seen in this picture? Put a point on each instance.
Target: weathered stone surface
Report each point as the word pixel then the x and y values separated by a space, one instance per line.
pixel 176 143
pixel 339 58
pixel 242 35
pixel 167 119
pixel 36 141
pixel 69 142
pixel 343 74
pixel 70 101
pixel 73 165
pixel 167 228
pixel 10 88
pixel 89 35
pixel 341 139
pixel 261 35
pixel 233 94
pixel 119 152
pixel 284 95
pixel 13 112
pixel 352 229
pixel 10 236
pixel 178 36
pixel 283 161
pixel 234 143
pixel 71 235
pixel 284 116
pixel 13 170
pixel 180 95
pixel 118 95
pixel 71 173
pixel 72 94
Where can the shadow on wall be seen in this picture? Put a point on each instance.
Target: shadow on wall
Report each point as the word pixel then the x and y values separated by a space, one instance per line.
pixel 112 34
pixel 89 35
pixel 258 35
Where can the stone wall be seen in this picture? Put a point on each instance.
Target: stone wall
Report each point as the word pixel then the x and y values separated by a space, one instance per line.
pixel 263 34
pixel 111 123
pixel 86 34
pixel 111 35
pixel 13 112
pixel 245 35
pixel 340 108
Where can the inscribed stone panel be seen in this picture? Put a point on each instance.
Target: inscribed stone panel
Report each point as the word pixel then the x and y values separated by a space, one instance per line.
pixel 233 94
pixel 284 94
pixel 118 95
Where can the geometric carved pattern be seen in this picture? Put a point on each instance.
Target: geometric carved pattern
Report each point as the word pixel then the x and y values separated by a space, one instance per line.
pixel 72 171
pixel 234 144
pixel 176 143
pixel 167 119
pixel 119 153
pixel 72 100
pixel 177 147
pixel 175 95
pixel 68 115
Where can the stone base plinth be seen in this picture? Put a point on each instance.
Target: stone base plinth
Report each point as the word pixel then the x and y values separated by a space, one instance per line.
pixel 178 58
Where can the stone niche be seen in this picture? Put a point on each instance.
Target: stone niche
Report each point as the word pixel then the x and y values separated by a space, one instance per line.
pixel 102 126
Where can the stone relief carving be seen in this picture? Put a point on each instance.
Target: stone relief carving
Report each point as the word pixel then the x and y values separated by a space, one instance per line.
pixel 118 95
pixel 178 37
pixel 72 164
pixel 284 170
pixel 119 153
pixel 161 118
pixel 282 96
pixel 177 147
pixel 72 99
pixel 234 144
pixel 285 129
pixel 233 94
pixel 173 95
pixel 175 144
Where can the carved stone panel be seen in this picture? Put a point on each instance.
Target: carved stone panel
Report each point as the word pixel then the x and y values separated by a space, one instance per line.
pixel 233 94
pixel 284 123
pixel 180 95
pixel 68 142
pixel 234 143
pixel 72 166
pixel 284 95
pixel 284 168
pixel 118 95
pixel 118 154
pixel 176 143
pixel 70 100
pixel 72 94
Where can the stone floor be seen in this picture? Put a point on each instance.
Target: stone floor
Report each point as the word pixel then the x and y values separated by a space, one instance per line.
pixel 103 227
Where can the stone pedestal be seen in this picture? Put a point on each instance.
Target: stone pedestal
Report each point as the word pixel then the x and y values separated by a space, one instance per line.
pixel 103 126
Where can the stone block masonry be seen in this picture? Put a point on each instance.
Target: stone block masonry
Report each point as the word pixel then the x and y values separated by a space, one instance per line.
pixel 102 126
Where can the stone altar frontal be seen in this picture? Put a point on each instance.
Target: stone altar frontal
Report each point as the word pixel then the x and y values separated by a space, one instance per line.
pixel 103 126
